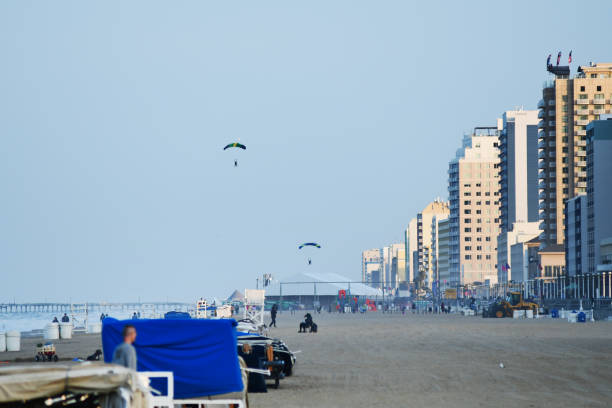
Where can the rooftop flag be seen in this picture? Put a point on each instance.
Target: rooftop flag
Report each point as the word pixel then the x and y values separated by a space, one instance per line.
pixel 558 57
pixel 548 60
pixel 569 60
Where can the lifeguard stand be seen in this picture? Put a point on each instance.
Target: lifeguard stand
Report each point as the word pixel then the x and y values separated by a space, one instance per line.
pixel 254 302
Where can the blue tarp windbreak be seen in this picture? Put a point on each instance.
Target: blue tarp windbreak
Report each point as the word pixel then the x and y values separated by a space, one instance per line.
pixel 201 353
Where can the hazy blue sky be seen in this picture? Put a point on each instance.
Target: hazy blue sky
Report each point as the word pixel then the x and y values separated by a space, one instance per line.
pixel 113 115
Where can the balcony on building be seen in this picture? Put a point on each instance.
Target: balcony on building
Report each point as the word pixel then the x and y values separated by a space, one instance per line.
pixel 581 153
pixel 581 132
pixel 581 143
pixel 551 123
pixel 582 110
pixel 541 124
pixel 582 122
pixel 541 113
pixel 541 103
pixel 581 101
pixel 542 195
pixel 541 144
pixel 542 154
pixel 542 164
pixel 552 133
pixel 581 163
pixel 599 111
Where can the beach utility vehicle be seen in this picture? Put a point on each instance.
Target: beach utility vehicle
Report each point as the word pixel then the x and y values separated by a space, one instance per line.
pixel 505 308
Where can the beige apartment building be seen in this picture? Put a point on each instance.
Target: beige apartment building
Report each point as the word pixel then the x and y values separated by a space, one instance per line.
pixel 372 267
pixel 567 106
pixel 473 188
pixel 424 274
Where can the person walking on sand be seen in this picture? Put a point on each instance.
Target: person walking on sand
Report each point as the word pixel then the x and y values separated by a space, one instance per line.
pixel 125 353
pixel 273 314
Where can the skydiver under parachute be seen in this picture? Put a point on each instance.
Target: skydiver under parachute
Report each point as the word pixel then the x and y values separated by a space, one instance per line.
pixel 235 145
pixel 312 244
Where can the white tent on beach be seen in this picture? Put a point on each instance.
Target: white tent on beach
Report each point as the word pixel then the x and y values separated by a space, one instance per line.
pixel 307 287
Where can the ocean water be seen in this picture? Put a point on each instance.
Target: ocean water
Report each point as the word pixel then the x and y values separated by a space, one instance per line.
pixel 25 322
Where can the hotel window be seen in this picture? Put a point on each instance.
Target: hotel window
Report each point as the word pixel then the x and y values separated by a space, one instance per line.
pixel 599 97
pixel 478 256
pixel 565 120
pixel 583 96
pixel 565 108
pixel 468 257
pixel 564 98
pixel 488 239
pixel 487 202
pixel 467 194
pixel 564 129
pixel 467 211
pixel 478 202
pixel 478 212
pixel 467 230
pixel 468 239
pixel 478 239
pixel 467 202
pixel 467 221
pixel 598 88
pixel 468 248
pixel 478 229
pixel 478 194
pixel 479 248
pixel 582 89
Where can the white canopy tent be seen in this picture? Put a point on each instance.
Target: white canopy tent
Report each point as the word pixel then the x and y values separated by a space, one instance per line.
pixel 319 284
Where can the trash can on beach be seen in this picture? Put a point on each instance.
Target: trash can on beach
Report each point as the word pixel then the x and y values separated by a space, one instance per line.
pixel 51 331
pixel 2 341
pixel 13 341
pixel 66 330
pixel 554 313
pixel 581 317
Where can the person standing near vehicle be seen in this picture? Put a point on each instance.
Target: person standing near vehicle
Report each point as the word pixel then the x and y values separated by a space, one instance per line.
pixel 273 313
pixel 125 353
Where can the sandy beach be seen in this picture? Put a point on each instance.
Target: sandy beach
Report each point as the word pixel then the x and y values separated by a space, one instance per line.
pixel 378 360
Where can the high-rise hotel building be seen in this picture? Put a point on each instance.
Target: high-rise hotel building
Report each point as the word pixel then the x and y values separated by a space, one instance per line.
pixel 567 106
pixel 473 188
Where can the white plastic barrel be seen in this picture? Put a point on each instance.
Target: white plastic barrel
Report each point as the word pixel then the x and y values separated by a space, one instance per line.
pixel 66 330
pixel 572 317
pixel 517 314
pixel 94 328
pixel 13 341
pixel 51 331
pixel 2 341
pixel 529 314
